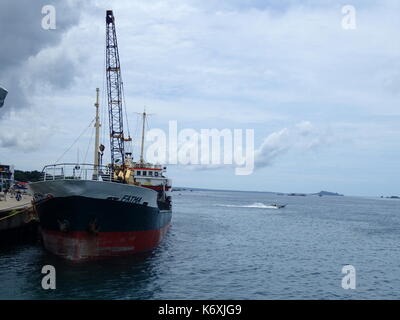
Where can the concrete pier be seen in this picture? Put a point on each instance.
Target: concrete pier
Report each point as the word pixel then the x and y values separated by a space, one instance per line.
pixel 18 221
pixel 11 203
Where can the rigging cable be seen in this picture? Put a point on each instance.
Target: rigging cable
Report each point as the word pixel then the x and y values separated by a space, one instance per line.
pixel 76 140
pixel 90 142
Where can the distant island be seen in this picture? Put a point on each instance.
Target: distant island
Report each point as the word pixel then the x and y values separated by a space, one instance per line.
pixel 327 193
pixel 180 189
pixel 320 194
pixel 293 194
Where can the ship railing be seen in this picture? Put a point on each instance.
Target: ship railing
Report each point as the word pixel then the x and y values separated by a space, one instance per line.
pixel 147 165
pixel 77 171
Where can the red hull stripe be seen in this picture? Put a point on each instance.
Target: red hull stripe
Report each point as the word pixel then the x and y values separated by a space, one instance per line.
pixel 156 187
pixel 82 246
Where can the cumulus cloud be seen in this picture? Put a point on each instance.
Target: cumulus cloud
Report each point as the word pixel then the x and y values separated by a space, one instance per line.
pixel 25 42
pixel 302 137
pixel 16 133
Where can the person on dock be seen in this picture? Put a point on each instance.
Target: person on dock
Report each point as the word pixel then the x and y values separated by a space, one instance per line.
pixel 5 194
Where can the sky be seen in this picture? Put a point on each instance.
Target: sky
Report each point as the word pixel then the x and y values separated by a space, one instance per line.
pixel 323 100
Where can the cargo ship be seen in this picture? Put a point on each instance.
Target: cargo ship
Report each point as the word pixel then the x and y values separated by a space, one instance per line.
pixel 93 211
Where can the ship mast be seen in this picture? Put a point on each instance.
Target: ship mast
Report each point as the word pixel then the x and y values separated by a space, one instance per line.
pixel 97 126
pixel 143 133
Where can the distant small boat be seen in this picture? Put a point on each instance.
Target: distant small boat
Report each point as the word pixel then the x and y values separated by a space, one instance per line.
pixel 278 206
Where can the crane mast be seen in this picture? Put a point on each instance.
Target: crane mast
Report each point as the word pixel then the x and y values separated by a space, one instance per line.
pixel 114 94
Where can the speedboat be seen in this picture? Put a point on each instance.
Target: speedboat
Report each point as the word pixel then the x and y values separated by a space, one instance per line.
pixel 278 206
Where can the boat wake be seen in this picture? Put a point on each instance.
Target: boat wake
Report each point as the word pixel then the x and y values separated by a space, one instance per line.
pixel 258 205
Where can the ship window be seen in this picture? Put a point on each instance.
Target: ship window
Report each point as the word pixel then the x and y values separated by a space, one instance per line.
pixel 144 173
pixel 138 172
pixel 156 174
pixel 150 173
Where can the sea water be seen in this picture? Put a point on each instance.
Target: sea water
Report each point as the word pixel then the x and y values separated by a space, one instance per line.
pixel 235 245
